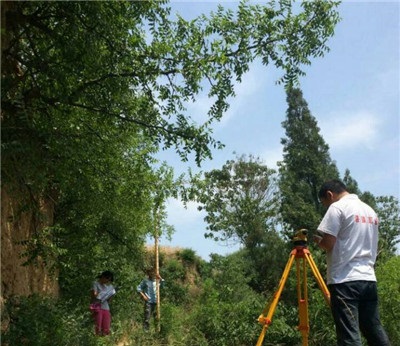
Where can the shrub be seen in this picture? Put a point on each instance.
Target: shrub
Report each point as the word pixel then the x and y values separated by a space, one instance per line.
pixel 188 256
pixel 41 321
pixel 388 277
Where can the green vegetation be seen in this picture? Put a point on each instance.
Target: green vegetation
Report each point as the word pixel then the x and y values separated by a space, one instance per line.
pixel 218 307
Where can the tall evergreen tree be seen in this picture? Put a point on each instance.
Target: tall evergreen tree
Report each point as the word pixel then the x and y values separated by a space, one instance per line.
pixel 351 183
pixel 306 165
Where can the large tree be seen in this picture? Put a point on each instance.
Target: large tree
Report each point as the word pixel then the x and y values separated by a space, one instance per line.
pixel 91 90
pixel 98 59
pixel 240 201
pixel 306 165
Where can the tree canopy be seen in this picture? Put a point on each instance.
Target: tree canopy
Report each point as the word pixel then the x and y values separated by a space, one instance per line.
pixel 87 71
pixel 92 90
pixel 240 201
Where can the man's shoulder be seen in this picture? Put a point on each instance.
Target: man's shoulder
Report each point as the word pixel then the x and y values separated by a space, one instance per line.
pixel 351 198
pixel 352 202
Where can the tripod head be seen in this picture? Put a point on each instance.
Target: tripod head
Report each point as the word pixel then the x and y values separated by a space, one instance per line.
pixel 300 237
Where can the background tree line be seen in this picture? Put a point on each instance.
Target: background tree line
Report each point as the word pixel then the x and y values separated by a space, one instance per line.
pixel 91 91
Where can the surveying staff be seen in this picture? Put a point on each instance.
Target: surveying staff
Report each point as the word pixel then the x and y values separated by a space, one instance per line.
pixel 349 234
pixel 148 291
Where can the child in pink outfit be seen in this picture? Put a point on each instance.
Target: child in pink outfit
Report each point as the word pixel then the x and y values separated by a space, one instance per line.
pixel 102 292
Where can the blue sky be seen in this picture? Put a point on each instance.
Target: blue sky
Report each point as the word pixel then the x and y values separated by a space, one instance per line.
pixel 353 92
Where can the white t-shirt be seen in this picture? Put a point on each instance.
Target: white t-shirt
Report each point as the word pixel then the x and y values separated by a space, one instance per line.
pixel 355 226
pixel 104 292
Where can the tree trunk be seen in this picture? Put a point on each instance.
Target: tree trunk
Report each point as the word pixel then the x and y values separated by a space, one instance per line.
pixel 19 225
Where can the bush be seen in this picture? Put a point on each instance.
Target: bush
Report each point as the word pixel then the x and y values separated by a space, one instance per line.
pixel 175 290
pixel 388 277
pixel 188 256
pixel 322 326
pixel 41 321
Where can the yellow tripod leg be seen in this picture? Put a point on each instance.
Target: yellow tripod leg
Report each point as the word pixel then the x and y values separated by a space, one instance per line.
pixel 318 277
pixel 266 321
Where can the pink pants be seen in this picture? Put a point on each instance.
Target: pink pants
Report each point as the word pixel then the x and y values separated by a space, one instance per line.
pixel 102 319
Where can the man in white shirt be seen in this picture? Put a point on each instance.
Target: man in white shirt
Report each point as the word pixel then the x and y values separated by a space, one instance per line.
pixel 349 234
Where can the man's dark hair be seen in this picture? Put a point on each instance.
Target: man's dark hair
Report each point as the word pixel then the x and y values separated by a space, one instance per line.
pixel 335 186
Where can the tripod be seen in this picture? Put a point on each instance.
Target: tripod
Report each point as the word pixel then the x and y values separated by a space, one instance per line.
pixel 303 257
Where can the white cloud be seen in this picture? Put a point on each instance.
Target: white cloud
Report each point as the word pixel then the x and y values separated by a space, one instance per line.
pixel 198 110
pixel 351 130
pixel 178 215
pixel 251 81
pixel 250 86
pixel 271 156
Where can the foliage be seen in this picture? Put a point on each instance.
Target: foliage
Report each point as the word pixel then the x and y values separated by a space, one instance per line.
pixel 87 257
pixel 388 277
pixel 178 328
pixel 239 201
pixel 227 308
pixel 190 259
pixel 351 183
pixel 266 262
pixel 306 165
pixel 188 256
pixel 92 90
pixel 388 210
pixel 224 313
pixel 175 290
pixel 41 321
pixel 352 187
pixel 90 71
pixel 322 327
pixel 241 206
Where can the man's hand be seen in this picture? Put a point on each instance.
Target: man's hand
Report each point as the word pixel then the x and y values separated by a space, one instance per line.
pixel 317 239
pixel 325 241
pixel 144 297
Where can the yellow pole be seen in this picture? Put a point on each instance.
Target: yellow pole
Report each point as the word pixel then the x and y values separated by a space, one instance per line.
pixel 157 270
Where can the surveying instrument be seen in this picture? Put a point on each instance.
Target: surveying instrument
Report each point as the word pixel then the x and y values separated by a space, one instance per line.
pixel 302 255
